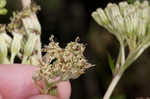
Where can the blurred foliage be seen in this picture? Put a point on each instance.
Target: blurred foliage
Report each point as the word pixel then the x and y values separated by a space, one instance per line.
pixel 3 10
pixel 121 96
pixel 132 1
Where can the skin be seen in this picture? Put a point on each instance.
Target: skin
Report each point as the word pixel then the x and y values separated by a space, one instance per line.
pixel 16 83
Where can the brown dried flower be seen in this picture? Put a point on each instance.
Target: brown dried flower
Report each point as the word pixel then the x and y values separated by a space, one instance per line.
pixel 63 63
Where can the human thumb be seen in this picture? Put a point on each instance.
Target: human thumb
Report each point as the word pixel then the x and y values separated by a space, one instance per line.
pixel 42 97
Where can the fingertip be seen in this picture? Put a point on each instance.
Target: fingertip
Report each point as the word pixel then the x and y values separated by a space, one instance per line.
pixel 43 97
pixel 64 90
pixel 1 97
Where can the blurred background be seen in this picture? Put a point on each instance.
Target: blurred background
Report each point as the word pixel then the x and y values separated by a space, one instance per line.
pixel 68 19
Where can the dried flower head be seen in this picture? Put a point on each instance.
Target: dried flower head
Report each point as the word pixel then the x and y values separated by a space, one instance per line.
pixel 63 63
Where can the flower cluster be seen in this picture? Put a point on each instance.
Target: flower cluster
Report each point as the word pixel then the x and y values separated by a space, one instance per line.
pixel 23 43
pixel 62 63
pixel 130 23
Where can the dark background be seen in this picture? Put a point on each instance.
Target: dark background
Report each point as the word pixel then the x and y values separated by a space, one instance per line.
pixel 67 19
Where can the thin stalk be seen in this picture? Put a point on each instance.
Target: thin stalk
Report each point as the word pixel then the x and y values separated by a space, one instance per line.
pixel 112 86
pixel 121 58
pixel 130 59
pixel 133 56
pixel 118 73
pixel 118 61
pixel 122 54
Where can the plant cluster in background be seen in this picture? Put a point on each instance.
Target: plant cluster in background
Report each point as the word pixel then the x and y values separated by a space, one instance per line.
pixel 130 24
pixel 20 40
pixel 22 44
pixel 3 10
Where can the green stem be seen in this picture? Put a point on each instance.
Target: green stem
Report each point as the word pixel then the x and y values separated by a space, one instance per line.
pixel 121 58
pixel 122 54
pixel 130 59
pixel 133 56
pixel 124 65
pixel 112 86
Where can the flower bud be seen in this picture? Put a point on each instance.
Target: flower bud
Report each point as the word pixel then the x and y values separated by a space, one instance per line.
pixel 118 21
pixel 112 11
pixel 102 16
pixel 141 30
pixel 131 22
pixel 123 8
pixel 96 18
pixel 16 45
pixel 29 46
pixel 145 11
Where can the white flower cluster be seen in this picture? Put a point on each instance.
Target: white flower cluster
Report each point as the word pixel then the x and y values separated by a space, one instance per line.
pixel 22 44
pixel 128 22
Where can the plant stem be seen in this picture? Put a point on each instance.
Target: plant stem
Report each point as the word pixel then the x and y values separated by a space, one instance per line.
pixel 125 64
pixel 122 54
pixel 121 58
pixel 112 86
pixel 118 73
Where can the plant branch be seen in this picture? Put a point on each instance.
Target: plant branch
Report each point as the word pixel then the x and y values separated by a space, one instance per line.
pixel 130 59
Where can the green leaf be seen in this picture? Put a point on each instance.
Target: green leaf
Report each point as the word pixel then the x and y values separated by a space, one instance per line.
pixel 131 1
pixel 111 63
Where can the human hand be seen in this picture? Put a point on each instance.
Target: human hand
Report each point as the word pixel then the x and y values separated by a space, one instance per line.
pixel 16 83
